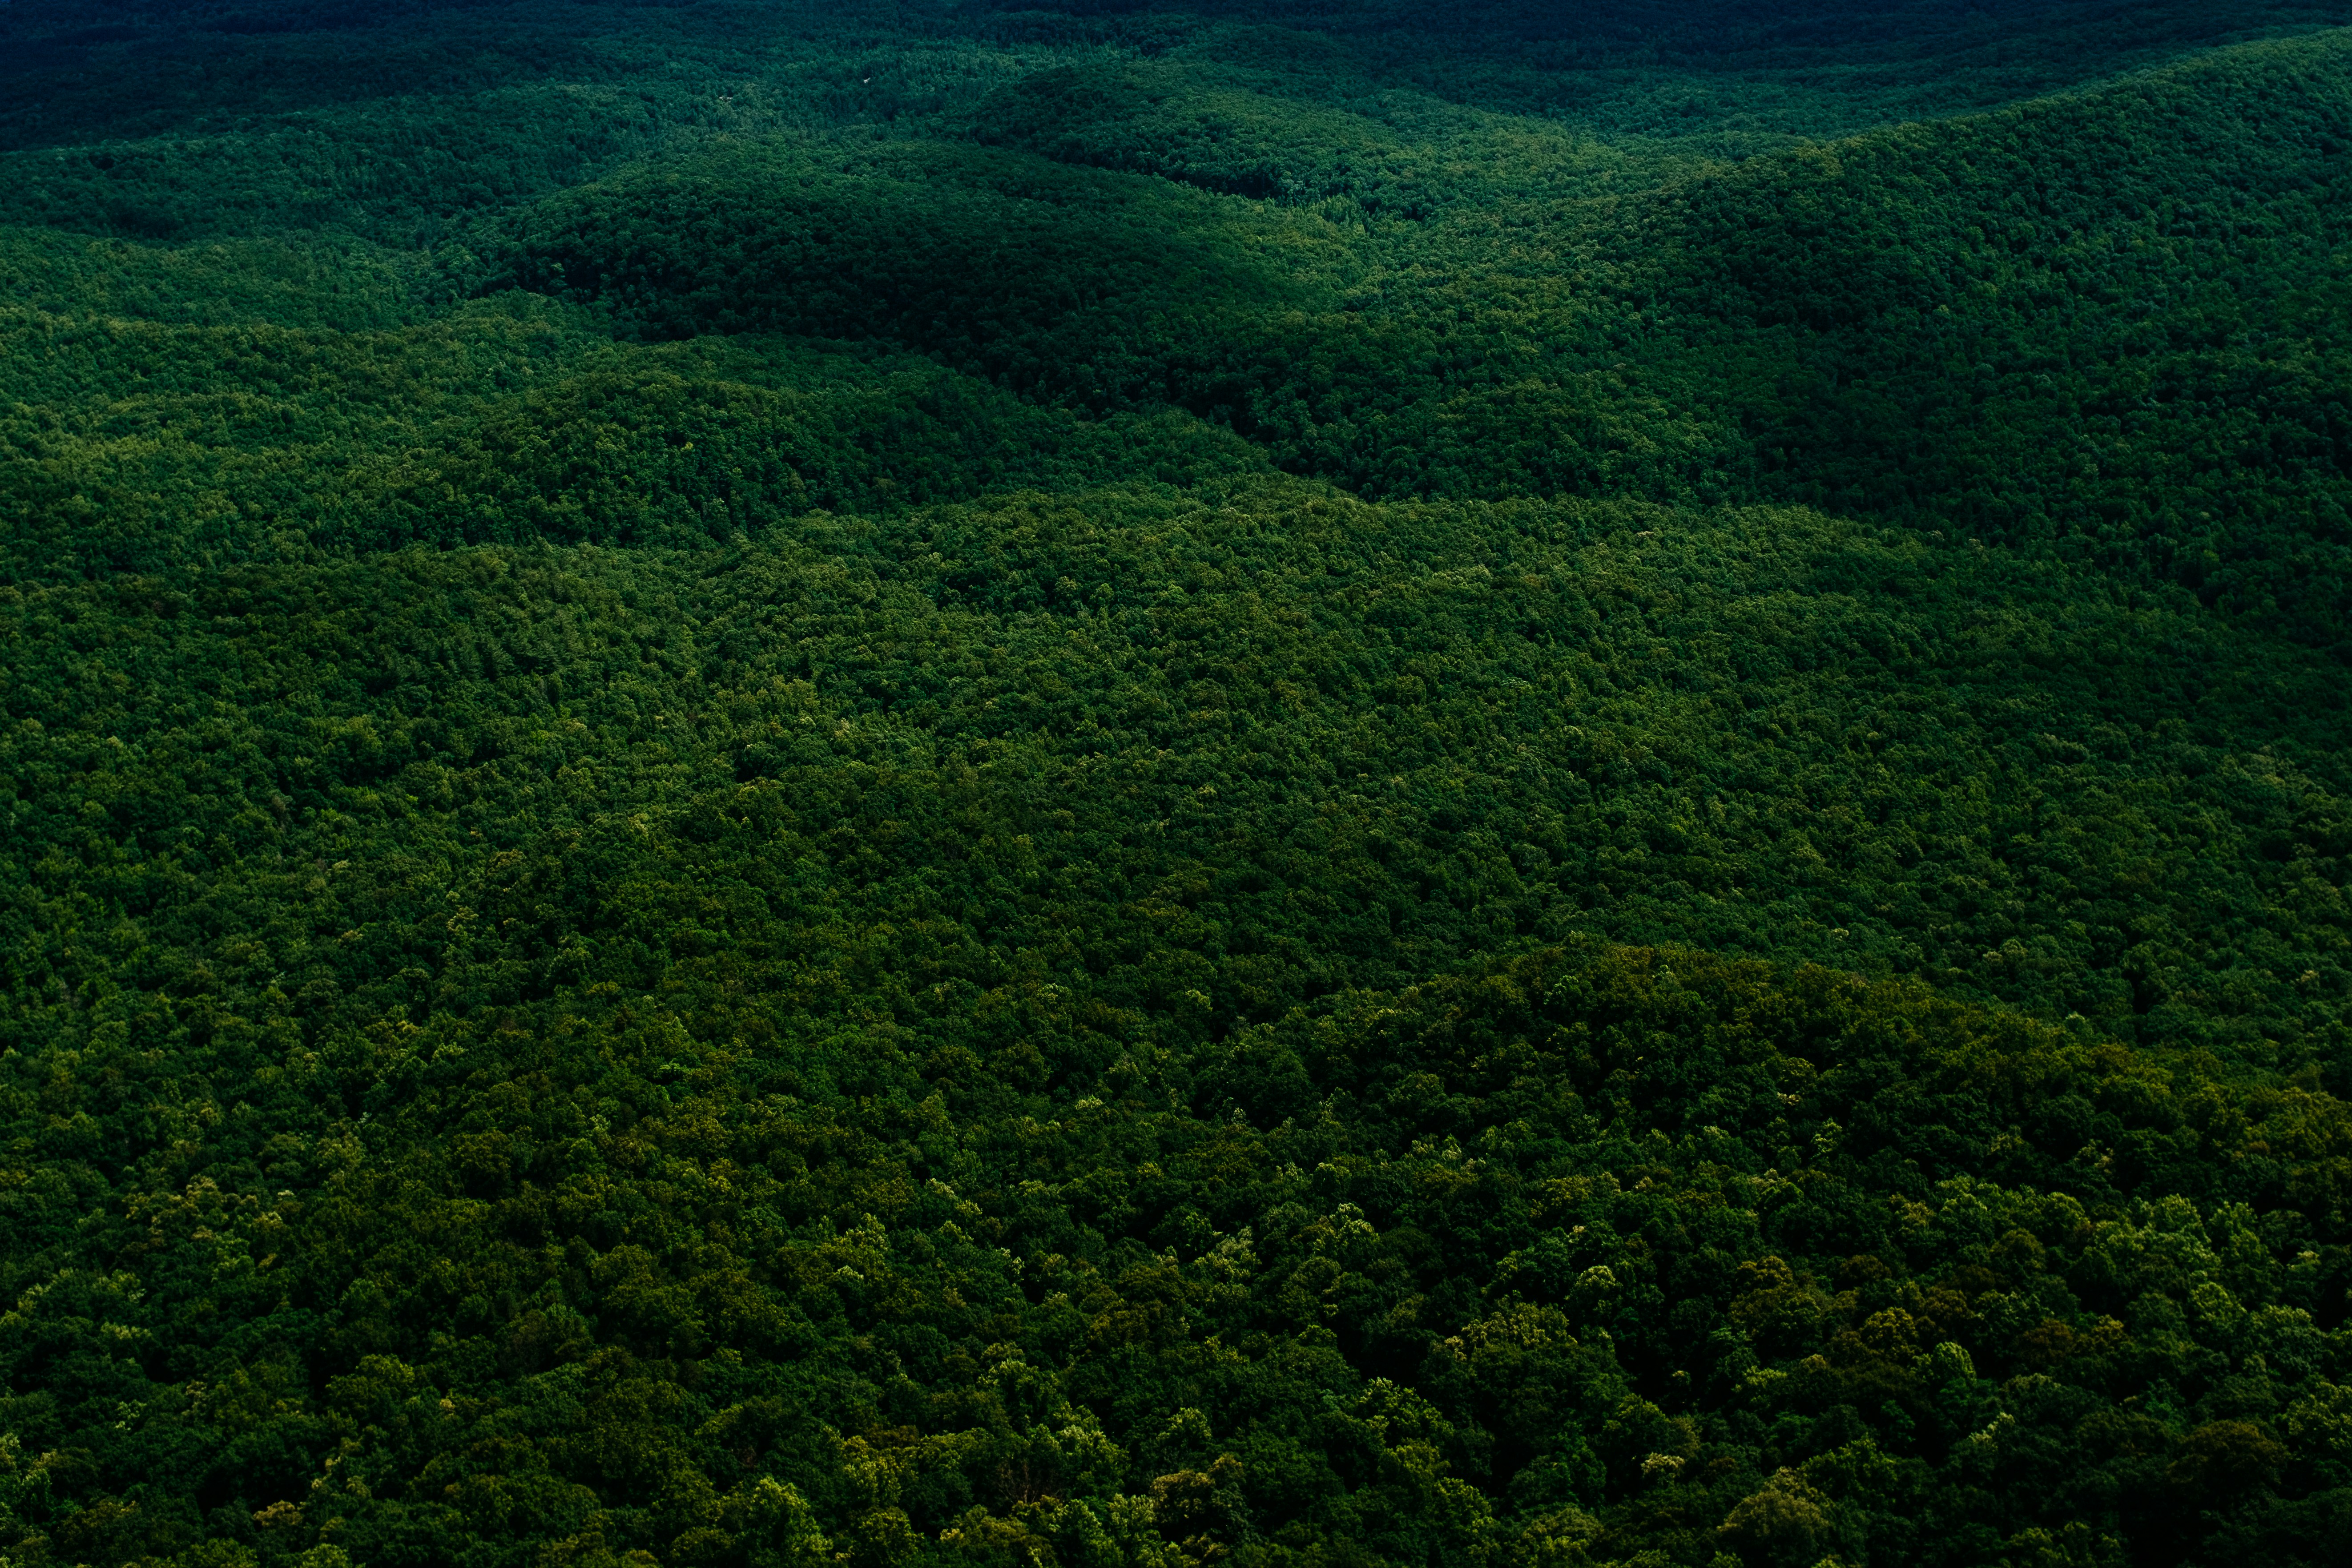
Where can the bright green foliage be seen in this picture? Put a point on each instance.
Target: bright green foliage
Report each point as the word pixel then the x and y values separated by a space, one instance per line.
pixel 1245 787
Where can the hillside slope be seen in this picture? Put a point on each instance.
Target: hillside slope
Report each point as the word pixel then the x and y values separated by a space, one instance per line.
pixel 1260 786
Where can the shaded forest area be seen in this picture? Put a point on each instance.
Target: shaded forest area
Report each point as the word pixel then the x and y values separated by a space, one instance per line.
pixel 1126 787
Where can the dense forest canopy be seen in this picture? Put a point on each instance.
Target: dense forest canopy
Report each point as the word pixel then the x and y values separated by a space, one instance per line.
pixel 1175 783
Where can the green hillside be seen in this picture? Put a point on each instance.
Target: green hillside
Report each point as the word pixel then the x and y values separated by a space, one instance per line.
pixel 1261 785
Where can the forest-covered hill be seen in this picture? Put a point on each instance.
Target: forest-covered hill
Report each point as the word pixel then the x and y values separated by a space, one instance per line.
pixel 1248 784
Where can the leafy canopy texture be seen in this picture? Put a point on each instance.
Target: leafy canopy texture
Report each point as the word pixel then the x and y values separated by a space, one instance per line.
pixel 1241 786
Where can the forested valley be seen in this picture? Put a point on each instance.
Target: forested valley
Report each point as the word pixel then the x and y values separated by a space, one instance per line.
pixel 1175 783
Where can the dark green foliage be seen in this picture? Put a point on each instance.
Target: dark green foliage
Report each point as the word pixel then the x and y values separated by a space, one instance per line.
pixel 1014 271
pixel 1268 786
pixel 2148 270
pixel 1892 325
